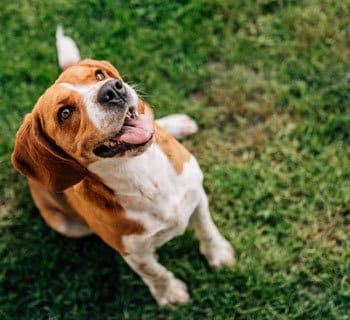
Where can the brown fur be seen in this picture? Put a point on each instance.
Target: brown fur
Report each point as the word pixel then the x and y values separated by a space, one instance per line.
pixel 55 156
pixel 88 203
pixel 84 72
pixel 42 140
pixel 175 151
pixel 57 212
pixel 39 158
pixel 101 211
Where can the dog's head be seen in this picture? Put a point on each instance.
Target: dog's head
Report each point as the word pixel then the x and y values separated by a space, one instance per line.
pixel 89 113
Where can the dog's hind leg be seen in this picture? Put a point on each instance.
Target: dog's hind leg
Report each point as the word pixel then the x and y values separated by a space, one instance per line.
pixel 178 125
pixel 57 213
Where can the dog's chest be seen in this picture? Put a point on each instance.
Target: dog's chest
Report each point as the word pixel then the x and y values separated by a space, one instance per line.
pixel 151 191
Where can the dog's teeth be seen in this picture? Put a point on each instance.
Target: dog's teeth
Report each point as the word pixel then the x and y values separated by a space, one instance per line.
pixel 110 143
pixel 113 143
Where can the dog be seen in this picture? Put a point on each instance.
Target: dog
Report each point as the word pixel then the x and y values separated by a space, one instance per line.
pixel 98 163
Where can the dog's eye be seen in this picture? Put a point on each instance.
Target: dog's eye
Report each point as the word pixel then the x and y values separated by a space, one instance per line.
pixel 65 113
pixel 99 74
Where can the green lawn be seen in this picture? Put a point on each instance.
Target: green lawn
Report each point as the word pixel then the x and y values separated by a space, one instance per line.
pixel 269 83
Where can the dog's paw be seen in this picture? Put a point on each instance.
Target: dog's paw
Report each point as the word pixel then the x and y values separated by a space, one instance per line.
pixel 175 292
pixel 218 254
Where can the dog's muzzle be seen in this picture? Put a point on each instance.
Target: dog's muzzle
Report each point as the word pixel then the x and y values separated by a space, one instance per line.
pixel 112 93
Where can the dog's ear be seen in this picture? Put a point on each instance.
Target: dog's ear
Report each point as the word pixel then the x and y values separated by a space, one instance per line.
pixel 38 158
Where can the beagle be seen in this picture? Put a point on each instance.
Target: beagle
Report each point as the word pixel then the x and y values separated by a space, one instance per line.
pixel 97 163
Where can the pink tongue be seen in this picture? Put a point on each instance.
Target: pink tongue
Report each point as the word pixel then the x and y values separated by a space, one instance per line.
pixel 137 131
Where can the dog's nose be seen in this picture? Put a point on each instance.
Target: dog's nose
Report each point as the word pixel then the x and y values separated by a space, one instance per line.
pixel 112 92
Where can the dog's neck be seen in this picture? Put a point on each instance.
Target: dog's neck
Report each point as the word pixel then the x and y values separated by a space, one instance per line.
pixel 146 176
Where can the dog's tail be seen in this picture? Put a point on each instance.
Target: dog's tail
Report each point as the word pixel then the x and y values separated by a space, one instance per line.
pixel 67 51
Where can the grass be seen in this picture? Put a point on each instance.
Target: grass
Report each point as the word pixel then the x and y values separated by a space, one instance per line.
pixel 268 81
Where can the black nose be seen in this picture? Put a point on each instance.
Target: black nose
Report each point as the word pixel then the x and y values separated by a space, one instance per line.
pixel 112 92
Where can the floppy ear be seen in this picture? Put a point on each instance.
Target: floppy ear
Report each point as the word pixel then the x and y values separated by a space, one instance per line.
pixel 38 158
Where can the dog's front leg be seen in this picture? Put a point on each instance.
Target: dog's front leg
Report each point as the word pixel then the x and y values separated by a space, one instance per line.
pixel 165 288
pixel 213 246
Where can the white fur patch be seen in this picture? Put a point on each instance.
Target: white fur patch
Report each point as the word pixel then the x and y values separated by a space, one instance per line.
pixel 89 93
pixel 152 193
pixel 67 51
pixel 178 125
pixel 134 99
pixel 98 116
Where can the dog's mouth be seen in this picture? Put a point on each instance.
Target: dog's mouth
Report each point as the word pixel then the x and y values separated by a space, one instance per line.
pixel 137 131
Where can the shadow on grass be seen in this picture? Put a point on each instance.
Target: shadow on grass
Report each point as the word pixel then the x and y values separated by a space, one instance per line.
pixel 46 275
